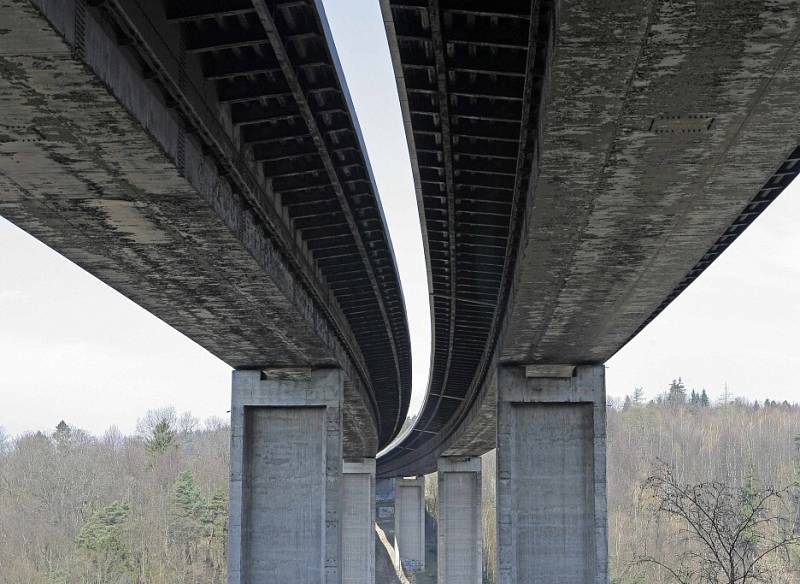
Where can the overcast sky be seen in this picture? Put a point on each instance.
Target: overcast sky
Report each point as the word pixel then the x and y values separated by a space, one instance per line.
pixel 71 348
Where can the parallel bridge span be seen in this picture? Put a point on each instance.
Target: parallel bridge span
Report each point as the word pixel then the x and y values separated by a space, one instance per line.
pixel 203 158
pixel 577 165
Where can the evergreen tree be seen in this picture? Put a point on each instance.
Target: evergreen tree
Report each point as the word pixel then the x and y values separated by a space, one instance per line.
pixel 704 401
pixel 627 403
pixel 217 527
pixel 101 539
pixel 694 399
pixel 638 396
pixel 188 513
pixel 162 439
pixel 676 395
pixel 62 435
pixel 217 514
pixel 198 522
pixel 188 499
pixel 63 429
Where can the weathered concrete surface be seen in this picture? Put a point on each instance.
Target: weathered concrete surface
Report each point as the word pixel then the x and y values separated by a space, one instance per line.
pixel 358 521
pixel 116 152
pixel 286 477
pixel 460 550
pixel 409 518
pixel 664 121
pixel 668 127
pixel 551 478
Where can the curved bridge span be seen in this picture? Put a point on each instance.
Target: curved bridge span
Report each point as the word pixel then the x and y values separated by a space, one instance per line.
pixel 577 166
pixel 204 159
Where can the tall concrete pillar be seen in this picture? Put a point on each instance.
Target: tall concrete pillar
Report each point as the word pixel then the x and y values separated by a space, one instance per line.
pixel 286 470
pixel 551 475
pixel 358 521
pixel 460 553
pixel 409 523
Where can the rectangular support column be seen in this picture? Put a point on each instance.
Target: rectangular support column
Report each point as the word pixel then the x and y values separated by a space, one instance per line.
pixel 460 553
pixel 551 477
pixel 286 470
pixel 409 523
pixel 358 522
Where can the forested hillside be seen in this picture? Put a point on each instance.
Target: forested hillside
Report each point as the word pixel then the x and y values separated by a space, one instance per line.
pixel 742 445
pixel 746 447
pixel 151 508
pixel 148 509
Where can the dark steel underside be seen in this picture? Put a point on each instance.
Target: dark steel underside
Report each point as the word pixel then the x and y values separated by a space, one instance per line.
pixel 473 76
pixel 275 67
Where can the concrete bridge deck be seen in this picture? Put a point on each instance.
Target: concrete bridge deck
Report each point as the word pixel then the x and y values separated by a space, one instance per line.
pixel 577 165
pixel 204 159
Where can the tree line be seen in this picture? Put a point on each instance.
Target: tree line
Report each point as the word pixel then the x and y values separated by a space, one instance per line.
pixel 145 509
pixel 699 491
pixel 678 395
pixel 703 492
pixel 152 508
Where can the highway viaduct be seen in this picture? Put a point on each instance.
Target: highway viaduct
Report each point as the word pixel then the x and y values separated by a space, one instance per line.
pixel 577 165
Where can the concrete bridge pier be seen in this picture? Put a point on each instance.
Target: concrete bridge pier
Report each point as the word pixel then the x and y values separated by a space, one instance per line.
pixel 409 523
pixel 286 474
pixel 358 521
pixel 460 554
pixel 551 475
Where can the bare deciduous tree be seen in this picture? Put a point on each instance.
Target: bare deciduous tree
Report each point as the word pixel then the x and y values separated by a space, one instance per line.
pixel 146 425
pixel 722 534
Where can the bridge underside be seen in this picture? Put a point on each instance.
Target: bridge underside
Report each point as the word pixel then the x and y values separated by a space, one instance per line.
pixel 131 156
pixel 577 165
pixel 664 131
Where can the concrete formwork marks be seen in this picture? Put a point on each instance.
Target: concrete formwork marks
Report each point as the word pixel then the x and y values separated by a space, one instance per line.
pixel 551 478
pixel 283 499
pixel 552 483
pixel 358 522
pixel 410 524
pixel 460 557
pixel 286 477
